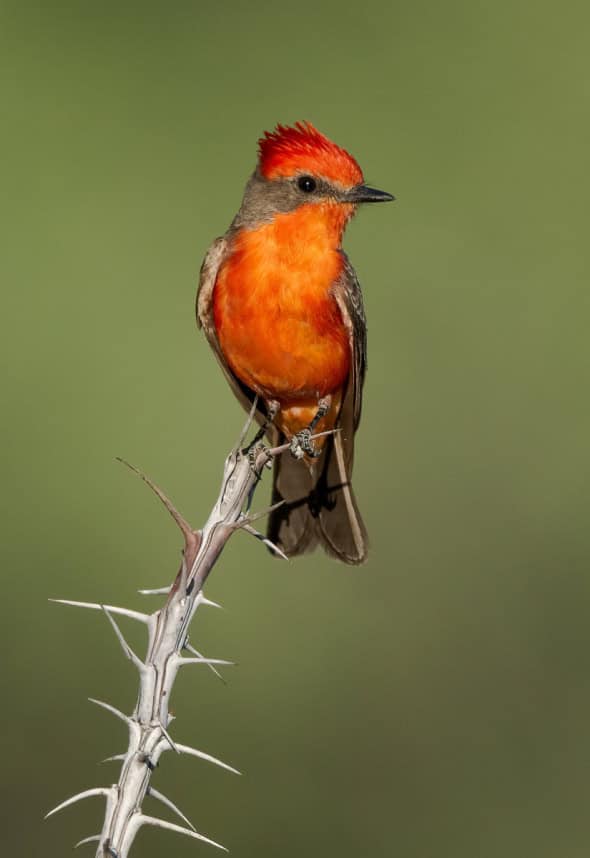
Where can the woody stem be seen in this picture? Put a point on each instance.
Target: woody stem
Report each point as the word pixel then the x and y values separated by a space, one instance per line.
pixel 167 628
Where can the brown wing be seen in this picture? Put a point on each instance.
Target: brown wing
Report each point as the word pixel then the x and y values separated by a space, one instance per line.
pixel 347 292
pixel 204 306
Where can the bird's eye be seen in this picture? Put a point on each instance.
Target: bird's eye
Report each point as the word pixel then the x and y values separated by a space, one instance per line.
pixel 306 184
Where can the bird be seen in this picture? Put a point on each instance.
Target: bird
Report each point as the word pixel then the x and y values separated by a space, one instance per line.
pixel 281 306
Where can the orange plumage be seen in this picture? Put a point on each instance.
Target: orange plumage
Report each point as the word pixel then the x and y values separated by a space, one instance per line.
pixel 278 324
pixel 282 308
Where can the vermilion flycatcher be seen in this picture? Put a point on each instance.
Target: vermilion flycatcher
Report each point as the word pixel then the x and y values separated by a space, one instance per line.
pixel 282 308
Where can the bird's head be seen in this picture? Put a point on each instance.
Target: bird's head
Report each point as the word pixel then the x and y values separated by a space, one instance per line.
pixel 299 166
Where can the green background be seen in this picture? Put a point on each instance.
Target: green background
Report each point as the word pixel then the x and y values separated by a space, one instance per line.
pixel 437 701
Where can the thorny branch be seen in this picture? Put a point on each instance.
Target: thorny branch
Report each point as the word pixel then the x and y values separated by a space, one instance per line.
pixel 167 629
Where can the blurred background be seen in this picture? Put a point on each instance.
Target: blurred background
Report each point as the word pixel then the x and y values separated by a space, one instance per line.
pixel 435 702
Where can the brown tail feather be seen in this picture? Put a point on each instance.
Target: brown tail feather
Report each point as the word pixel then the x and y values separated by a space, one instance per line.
pixel 319 507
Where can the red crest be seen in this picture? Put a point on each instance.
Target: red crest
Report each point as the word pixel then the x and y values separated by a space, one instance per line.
pixel 301 148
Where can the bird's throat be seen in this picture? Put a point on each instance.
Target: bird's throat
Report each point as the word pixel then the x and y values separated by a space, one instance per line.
pixel 316 228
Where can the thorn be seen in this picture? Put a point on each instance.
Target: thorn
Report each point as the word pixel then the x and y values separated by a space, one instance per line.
pixel 325 433
pixel 112 709
pixel 247 424
pixel 125 612
pixel 202 600
pixel 160 591
pixel 221 661
pixel 265 541
pixel 193 752
pixel 116 758
pixel 169 739
pixel 95 606
pixel 124 645
pixel 94 839
pixel 276 451
pixel 249 519
pixel 187 531
pixel 158 795
pixel 169 826
pixel 196 652
pixel 86 794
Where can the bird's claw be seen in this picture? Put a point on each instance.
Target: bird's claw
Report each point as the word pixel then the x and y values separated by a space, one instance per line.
pixel 253 452
pixel 302 445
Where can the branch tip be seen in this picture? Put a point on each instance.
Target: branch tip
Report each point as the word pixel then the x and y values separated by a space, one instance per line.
pixel 187 531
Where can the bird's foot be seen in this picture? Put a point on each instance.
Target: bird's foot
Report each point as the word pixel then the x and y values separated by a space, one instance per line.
pixel 301 445
pixel 323 408
pixel 254 451
pixel 255 446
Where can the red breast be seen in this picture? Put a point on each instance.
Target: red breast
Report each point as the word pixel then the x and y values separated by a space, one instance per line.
pixel 278 324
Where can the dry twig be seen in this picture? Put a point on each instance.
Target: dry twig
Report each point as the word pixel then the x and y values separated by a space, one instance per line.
pixel 167 628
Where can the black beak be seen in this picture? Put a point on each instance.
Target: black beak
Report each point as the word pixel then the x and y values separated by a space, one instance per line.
pixel 363 194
